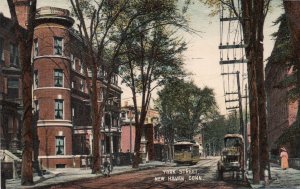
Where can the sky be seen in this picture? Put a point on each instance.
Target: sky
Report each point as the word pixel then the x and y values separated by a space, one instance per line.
pixel 202 57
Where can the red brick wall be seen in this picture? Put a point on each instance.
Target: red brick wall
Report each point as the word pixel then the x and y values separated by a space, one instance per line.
pixel 47 139
pixel 45 67
pixel 45 33
pixel 22 10
pixel 125 138
pixel 46 93
pixel 280 111
pixel 52 162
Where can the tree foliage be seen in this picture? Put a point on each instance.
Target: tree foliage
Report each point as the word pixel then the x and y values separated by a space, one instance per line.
pixel 283 53
pixel 183 107
pixel 152 55
pixel 215 130
pixel 108 29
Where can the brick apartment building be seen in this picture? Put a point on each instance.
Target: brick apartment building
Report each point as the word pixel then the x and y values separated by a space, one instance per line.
pixel 60 97
pixel 281 112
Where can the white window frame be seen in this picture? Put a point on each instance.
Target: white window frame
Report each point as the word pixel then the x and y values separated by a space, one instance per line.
pixel 35 79
pixel 63 109
pixel 64 145
pixel 62 45
pixel 14 53
pixel 2 50
pixel 13 79
pixel 36 107
pixel 82 85
pixel 73 66
pixel 36 47
pixel 63 78
pixel 81 67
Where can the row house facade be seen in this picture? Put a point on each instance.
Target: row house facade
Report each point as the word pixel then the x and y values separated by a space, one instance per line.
pixel 10 88
pixel 61 102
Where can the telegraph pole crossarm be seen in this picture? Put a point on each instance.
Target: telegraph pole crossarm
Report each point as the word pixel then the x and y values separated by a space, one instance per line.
pixel 233 100
pixel 232 108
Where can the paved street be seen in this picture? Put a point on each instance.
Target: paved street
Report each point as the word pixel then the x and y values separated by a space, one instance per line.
pixel 202 175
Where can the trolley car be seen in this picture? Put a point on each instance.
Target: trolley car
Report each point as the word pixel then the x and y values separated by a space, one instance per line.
pixel 186 153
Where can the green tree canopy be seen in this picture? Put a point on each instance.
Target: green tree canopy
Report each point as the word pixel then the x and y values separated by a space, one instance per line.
pixel 183 106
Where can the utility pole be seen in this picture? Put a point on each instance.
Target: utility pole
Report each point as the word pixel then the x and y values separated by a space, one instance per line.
pixel 240 103
pixel 245 126
pixel 242 127
pixel 239 100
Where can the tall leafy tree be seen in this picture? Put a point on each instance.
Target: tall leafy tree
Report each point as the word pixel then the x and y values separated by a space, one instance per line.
pixel 97 20
pixel 183 107
pixel 215 130
pixel 105 27
pixel 25 40
pixel 152 57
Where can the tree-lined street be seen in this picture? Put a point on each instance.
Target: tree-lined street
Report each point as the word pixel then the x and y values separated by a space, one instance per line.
pixel 64 70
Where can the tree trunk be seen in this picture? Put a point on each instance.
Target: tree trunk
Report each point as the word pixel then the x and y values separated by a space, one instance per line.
pixel 140 120
pixel 25 45
pixel 27 175
pixel 249 32
pixel 96 118
pixel 137 145
pixel 263 136
pixel 36 144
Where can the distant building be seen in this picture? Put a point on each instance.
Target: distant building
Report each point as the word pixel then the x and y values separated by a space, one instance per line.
pixel 151 141
pixel 60 97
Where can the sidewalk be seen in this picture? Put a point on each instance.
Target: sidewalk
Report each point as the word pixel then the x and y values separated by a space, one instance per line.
pixel 289 178
pixel 67 175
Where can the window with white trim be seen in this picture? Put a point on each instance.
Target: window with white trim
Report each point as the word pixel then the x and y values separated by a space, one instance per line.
pixel 81 66
pixel 59 109
pixel 59 145
pixel 35 79
pixel 36 108
pixel 14 55
pixel 1 50
pixel 72 61
pixel 58 77
pixel 13 88
pixel 58 45
pixel 35 47
pixel 82 86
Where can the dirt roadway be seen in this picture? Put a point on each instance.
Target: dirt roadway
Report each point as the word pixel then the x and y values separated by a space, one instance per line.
pixel 202 175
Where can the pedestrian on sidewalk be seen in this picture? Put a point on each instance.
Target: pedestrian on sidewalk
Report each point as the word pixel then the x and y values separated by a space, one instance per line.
pixel 284 158
pixel 107 167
